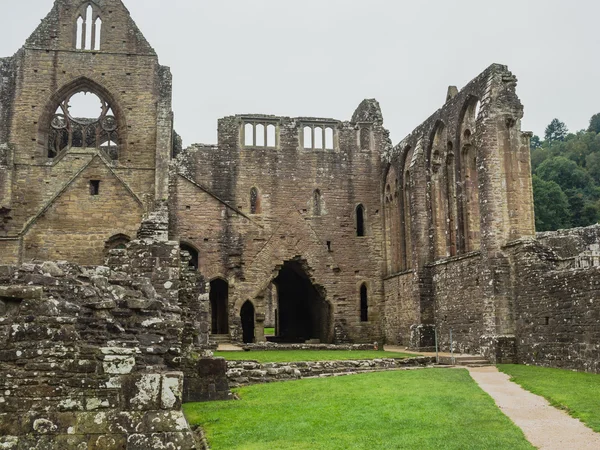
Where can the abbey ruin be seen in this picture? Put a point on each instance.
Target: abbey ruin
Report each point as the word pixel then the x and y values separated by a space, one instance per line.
pixel 121 252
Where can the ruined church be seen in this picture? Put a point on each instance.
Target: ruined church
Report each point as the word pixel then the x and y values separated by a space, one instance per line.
pixel 320 228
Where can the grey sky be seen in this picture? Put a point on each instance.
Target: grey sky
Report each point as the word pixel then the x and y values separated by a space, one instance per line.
pixel 322 57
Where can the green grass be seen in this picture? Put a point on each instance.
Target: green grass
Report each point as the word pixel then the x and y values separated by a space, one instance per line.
pixel 308 355
pixel 420 409
pixel 575 392
pixel 269 331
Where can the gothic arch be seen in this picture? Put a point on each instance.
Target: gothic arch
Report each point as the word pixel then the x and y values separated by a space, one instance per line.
pixel 81 84
pixel 392 220
pixel 468 156
pixel 438 190
pixel 406 210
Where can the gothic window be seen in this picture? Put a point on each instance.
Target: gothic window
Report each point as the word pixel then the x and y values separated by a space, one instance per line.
pixel 254 201
pixel 259 133
pixel 83 120
pixel 88 29
pixel 364 303
pixel 318 137
pixel 360 220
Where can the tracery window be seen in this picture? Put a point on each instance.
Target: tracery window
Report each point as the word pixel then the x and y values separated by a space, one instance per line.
pixel 84 120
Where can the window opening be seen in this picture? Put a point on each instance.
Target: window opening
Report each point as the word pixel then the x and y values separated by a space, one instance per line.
pixel 84 120
pixel 249 135
pixel 94 187
pixel 329 138
pixel 318 144
pixel 259 129
pixel 98 32
pixel 88 27
pixel 308 138
pixel 79 43
pixel 364 303
pixel 360 221
pixel 271 136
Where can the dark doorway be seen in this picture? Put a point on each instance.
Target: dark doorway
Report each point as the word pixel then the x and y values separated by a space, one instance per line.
pixel 303 313
pixel 219 299
pixel 247 316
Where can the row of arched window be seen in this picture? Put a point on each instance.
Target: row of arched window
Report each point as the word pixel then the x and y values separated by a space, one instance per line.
pixel 265 134
pixel 453 199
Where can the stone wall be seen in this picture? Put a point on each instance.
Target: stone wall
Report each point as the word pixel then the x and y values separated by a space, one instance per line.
pixel 401 300
pixel 95 356
pixel 557 308
pixel 212 212
pixel 244 373
pixel 126 74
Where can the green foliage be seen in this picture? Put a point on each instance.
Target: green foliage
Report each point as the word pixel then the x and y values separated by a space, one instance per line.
pixel 536 142
pixel 418 409
pixel 567 165
pixel 552 210
pixel 308 355
pixel 595 124
pixel 575 392
pixel 556 131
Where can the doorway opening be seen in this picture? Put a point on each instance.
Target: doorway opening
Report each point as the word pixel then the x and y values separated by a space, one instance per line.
pixel 247 316
pixel 219 299
pixel 302 312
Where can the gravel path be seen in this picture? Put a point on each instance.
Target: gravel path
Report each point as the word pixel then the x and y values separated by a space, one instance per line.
pixel 544 426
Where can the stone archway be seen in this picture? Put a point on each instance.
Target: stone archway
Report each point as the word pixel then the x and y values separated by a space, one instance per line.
pixel 303 314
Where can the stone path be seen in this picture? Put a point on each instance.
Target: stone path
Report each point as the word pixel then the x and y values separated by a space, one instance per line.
pixel 544 426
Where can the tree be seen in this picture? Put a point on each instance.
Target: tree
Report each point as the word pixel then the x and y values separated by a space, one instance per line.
pixel 551 206
pixel 595 124
pixel 566 173
pixel 556 131
pixel 536 142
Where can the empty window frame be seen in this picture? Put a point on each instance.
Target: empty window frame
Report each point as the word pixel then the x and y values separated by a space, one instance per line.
pixel 260 134
pixel 318 137
pixel 94 187
pixel 360 221
pixel 364 303
pixel 88 29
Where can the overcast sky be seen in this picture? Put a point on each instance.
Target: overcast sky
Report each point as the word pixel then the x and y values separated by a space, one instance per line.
pixel 322 57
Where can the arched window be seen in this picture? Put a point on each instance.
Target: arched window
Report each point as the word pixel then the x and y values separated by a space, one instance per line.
pixel 308 138
pixel 254 201
pixel 360 221
pixel 438 195
pixel 259 129
pixel 249 135
pixel 329 138
pixel 317 203
pixel 193 262
pixel 318 134
pixel 88 29
pixel 83 119
pixel 364 303
pixel 271 136
pixel 469 178
pixel 405 208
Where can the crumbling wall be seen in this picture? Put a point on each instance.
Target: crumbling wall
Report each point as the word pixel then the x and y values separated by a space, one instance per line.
pixel 463 185
pixel 557 300
pixel 401 300
pixel 211 211
pixel 91 356
pixel 124 72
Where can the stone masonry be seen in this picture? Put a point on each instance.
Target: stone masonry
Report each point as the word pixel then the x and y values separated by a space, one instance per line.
pixel 318 227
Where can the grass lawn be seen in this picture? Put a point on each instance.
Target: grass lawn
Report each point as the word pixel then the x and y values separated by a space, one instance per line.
pixel 578 393
pixel 419 409
pixel 269 331
pixel 308 355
